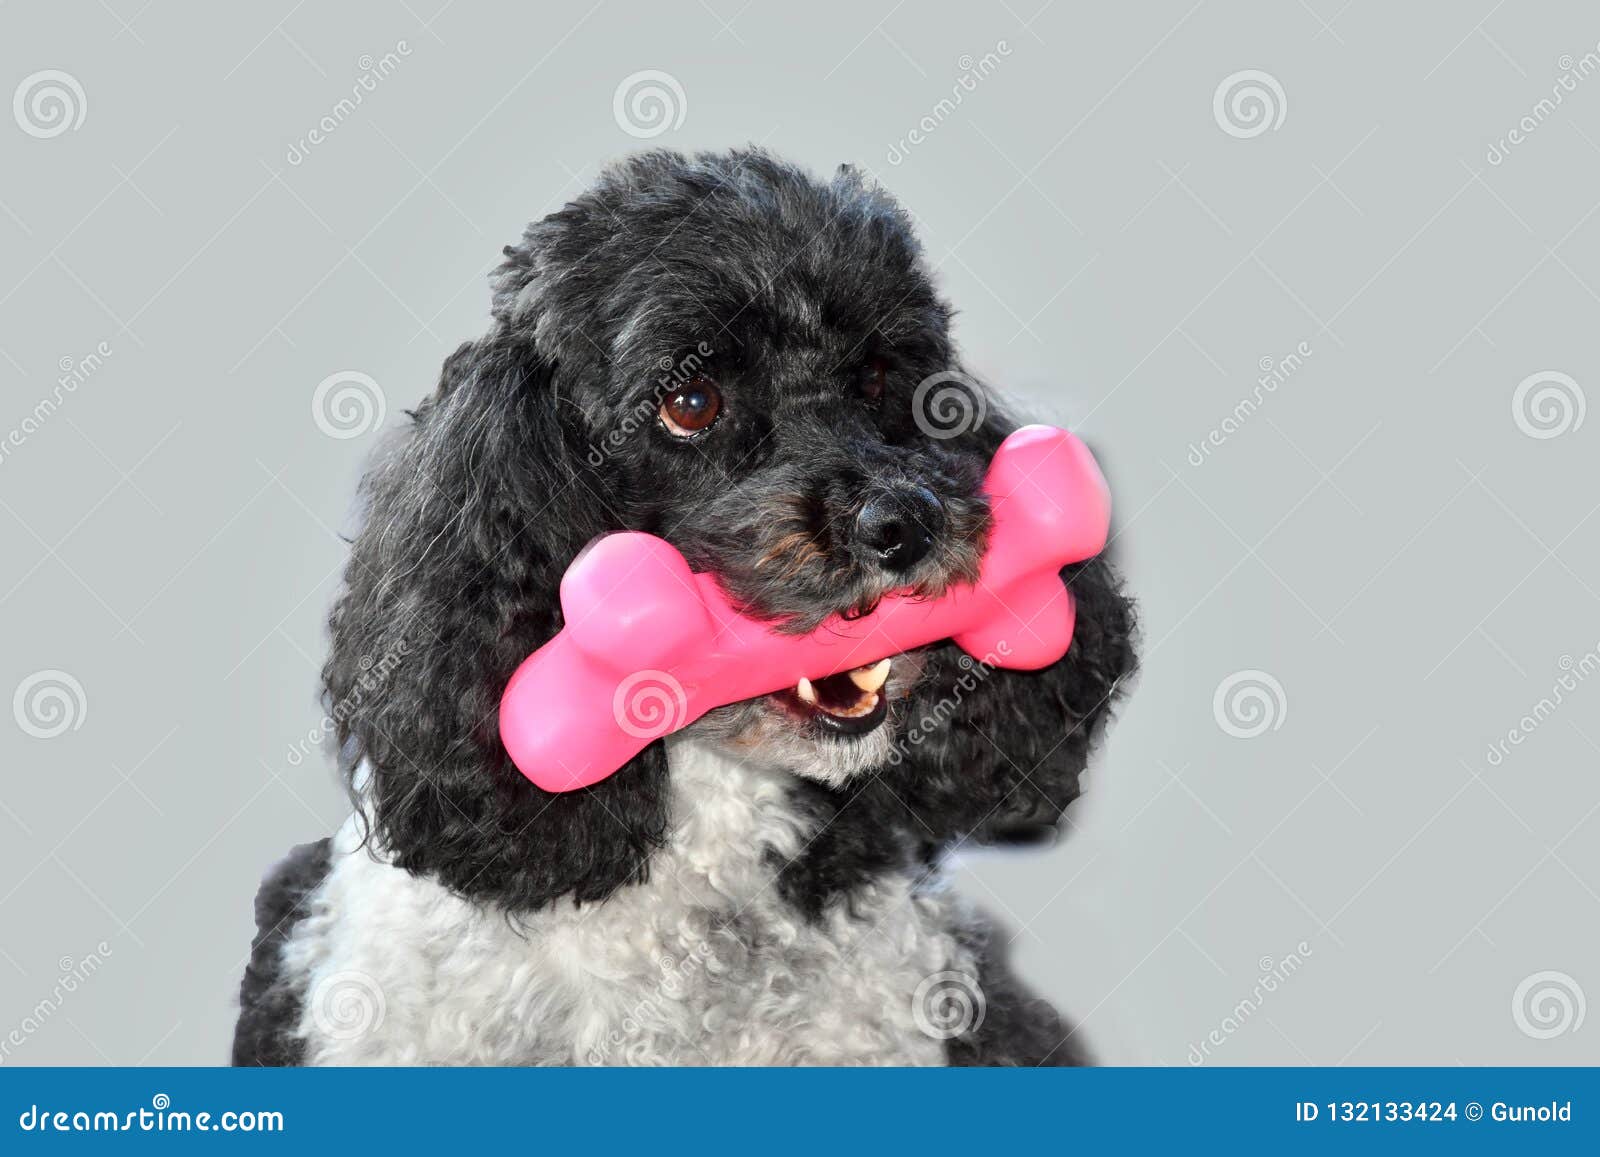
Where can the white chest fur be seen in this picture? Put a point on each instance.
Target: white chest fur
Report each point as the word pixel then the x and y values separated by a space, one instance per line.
pixel 703 964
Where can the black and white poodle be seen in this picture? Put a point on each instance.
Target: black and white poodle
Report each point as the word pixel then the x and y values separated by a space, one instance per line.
pixel 723 351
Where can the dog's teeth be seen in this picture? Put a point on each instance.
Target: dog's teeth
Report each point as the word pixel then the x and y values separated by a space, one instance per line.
pixel 806 692
pixel 865 706
pixel 870 679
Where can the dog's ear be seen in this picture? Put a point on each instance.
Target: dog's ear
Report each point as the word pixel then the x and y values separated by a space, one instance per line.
pixel 991 755
pixel 472 515
pixel 996 755
pixel 983 755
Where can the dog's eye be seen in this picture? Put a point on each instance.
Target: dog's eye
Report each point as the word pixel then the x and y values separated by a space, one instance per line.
pixel 691 407
pixel 872 381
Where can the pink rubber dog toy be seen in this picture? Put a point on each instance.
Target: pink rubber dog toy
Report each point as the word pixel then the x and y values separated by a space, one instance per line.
pixel 649 646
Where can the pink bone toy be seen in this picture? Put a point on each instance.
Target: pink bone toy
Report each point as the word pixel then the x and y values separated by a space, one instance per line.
pixel 649 646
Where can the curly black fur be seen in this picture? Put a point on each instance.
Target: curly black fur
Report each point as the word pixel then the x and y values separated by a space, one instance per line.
pixel 268 1004
pixel 989 757
pixel 1017 1028
pixel 471 518
pixel 791 294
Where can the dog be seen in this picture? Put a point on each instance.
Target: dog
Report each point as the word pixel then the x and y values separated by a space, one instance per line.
pixel 729 353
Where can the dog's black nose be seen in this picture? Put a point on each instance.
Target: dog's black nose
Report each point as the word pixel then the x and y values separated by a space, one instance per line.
pixel 899 527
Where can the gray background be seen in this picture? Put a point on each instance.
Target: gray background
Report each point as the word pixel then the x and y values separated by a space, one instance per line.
pixel 1382 536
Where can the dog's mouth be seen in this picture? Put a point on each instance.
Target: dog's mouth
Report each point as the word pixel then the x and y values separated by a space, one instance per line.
pixel 827 729
pixel 846 705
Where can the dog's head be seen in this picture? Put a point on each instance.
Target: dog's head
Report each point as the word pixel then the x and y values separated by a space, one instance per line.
pixel 744 348
pixel 757 367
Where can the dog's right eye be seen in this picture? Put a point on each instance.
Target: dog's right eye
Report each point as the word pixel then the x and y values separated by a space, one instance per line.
pixel 691 407
pixel 873 381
